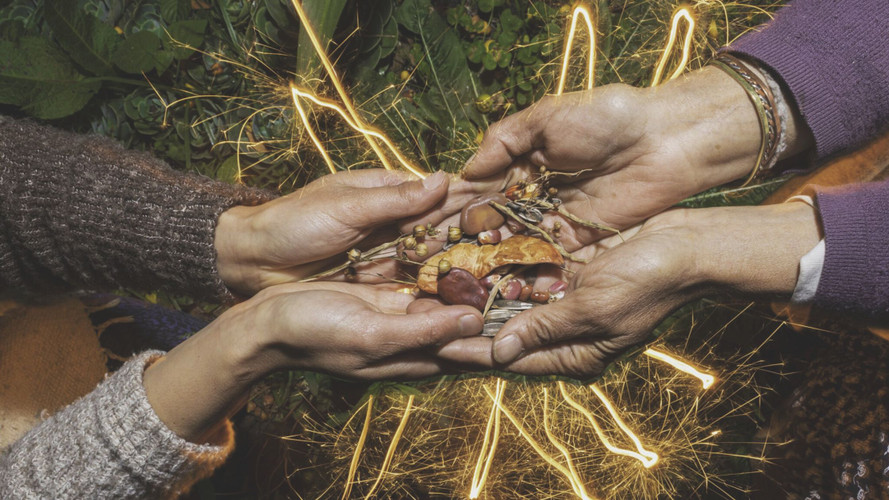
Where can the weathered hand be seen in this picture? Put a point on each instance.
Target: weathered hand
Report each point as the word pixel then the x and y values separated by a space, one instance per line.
pixel 628 288
pixel 640 150
pixel 349 330
pixel 293 237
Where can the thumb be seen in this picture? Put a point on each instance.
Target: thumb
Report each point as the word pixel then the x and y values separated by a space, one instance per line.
pixel 384 204
pixel 504 142
pixel 541 326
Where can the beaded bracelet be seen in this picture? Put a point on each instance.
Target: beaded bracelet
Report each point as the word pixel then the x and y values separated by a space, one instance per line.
pixel 764 101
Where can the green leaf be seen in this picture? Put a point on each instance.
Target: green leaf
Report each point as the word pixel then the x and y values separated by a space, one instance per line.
pixel 453 85
pixel 174 10
pixel 39 78
pixel 183 35
pixel 323 16
pixel 90 42
pixel 228 170
pixel 141 52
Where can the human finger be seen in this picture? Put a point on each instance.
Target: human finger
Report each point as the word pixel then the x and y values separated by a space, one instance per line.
pixel 543 325
pixel 391 334
pixel 508 140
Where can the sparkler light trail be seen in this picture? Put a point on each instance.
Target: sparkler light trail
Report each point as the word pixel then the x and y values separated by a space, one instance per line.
pixel 680 14
pixel 489 445
pixel 359 448
pixel 577 482
pixel 648 458
pixel 538 448
pixel 359 127
pixel 311 130
pixel 392 446
pixel 584 12
pixel 344 96
pixel 706 379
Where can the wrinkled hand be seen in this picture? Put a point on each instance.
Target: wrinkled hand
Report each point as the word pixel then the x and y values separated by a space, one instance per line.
pixel 640 150
pixel 629 287
pixel 293 237
pixel 349 330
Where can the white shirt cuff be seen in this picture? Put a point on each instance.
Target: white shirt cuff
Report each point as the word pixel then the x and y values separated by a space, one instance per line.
pixel 810 265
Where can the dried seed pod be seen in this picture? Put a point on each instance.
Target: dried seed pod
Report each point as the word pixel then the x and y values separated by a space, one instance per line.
pixel 542 170
pixel 557 225
pixel 511 290
pixel 354 255
pixel 444 266
pixel 409 243
pixel 552 191
pixel 540 297
pixel 525 293
pixel 491 237
pixel 460 287
pixel 455 234
pixel 419 231
pixel 422 250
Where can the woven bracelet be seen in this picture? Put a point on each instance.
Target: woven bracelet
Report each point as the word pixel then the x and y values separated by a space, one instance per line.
pixel 764 101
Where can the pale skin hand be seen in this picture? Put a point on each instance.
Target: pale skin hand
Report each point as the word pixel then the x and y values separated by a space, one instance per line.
pixel 628 288
pixel 295 236
pixel 349 330
pixel 644 150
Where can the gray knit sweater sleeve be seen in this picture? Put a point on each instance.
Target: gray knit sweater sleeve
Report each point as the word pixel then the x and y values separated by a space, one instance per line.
pixel 80 211
pixel 109 444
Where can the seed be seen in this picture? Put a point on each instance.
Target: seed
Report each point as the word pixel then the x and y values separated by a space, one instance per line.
pixel 552 191
pixel 350 273
pixel 558 286
pixel 410 243
pixel 422 250
pixel 354 255
pixel 444 266
pixel 511 290
pixel 557 225
pixel 491 237
pixel 540 297
pixel 526 292
pixel 454 234
pixel 542 169
pixel 419 231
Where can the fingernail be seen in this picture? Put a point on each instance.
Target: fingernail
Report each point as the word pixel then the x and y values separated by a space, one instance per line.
pixel 507 349
pixel 434 181
pixel 470 325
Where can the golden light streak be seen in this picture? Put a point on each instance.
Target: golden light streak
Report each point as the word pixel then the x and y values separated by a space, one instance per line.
pixel 489 445
pixel 353 466
pixel 535 445
pixel 681 13
pixel 648 458
pixel 706 379
pixel 584 12
pixel 650 455
pixel 576 481
pixel 315 140
pixel 341 89
pixel 394 444
pixel 361 128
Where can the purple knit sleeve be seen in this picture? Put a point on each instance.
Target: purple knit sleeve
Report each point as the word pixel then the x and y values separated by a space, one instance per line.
pixel 833 58
pixel 855 277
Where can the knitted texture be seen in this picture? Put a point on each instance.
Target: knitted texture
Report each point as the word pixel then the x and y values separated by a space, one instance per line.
pixel 109 444
pixel 855 277
pixel 834 59
pixel 80 211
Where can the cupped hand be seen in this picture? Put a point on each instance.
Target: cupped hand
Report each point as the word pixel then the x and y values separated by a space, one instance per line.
pixel 349 330
pixel 637 151
pixel 628 288
pixel 294 236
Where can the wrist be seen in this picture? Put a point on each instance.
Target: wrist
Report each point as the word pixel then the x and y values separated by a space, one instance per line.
pixel 754 250
pixel 707 117
pixel 232 241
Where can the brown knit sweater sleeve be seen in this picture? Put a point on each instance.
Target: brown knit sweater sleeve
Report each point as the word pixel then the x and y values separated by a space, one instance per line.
pixel 80 211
